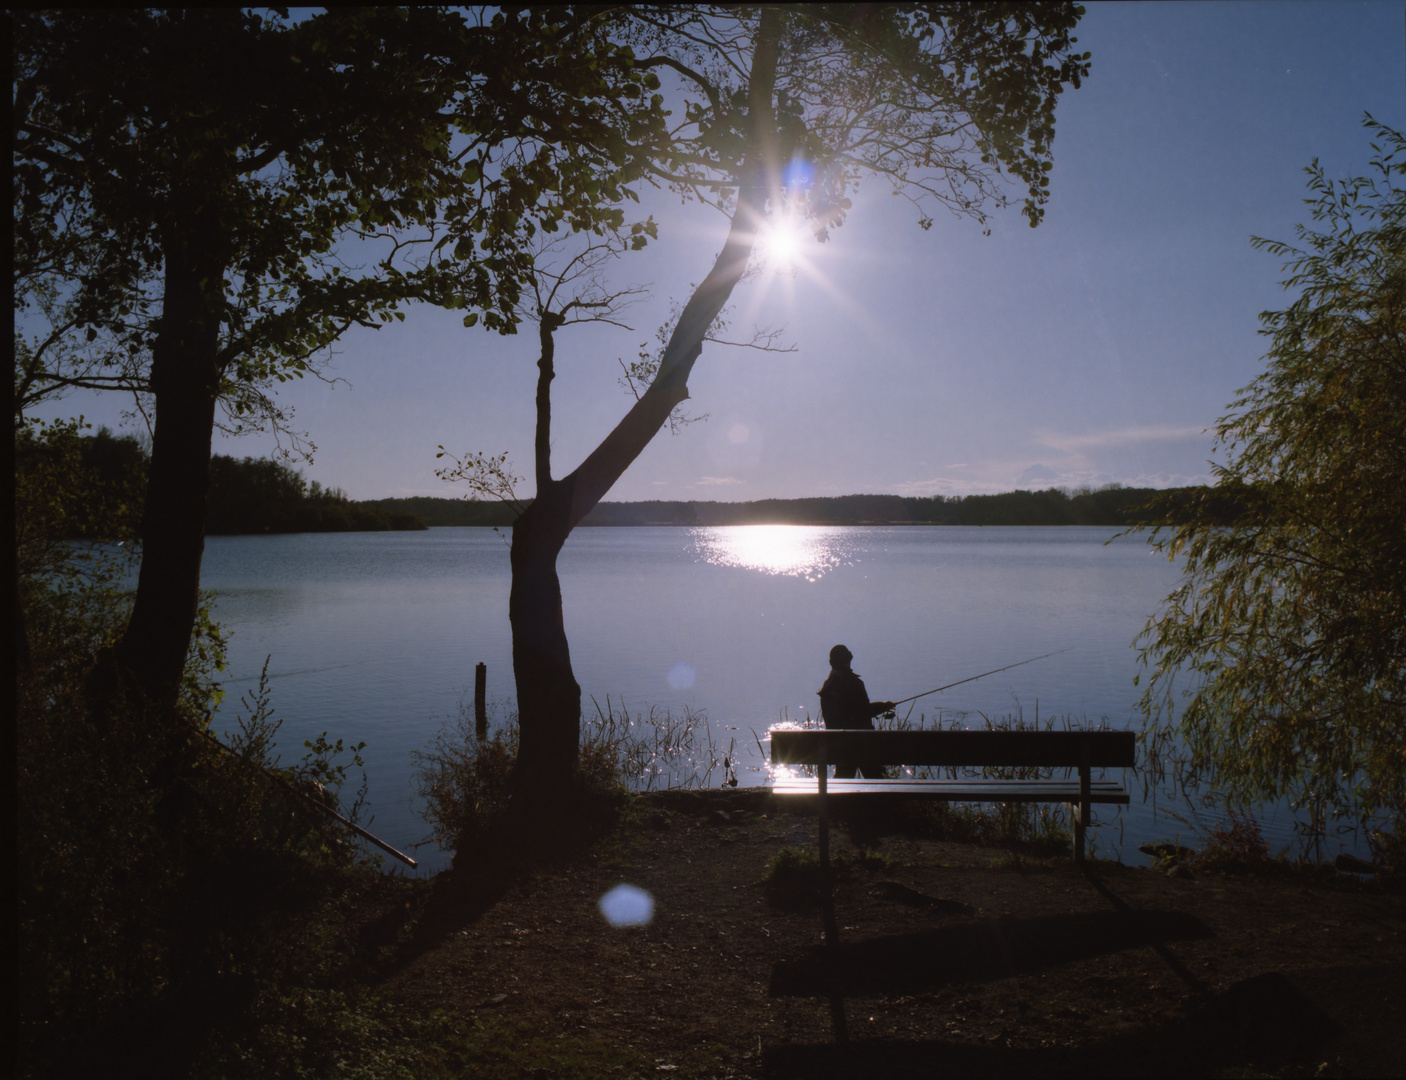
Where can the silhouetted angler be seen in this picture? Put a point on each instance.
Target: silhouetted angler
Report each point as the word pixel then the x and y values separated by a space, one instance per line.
pixel 845 704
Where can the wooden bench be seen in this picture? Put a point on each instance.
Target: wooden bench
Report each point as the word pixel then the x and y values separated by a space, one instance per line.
pixel 1081 750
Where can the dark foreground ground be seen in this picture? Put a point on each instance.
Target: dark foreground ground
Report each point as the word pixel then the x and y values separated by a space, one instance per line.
pixel 953 960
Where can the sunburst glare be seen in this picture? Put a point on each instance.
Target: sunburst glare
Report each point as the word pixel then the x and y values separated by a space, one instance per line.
pixel 781 240
pixel 786 228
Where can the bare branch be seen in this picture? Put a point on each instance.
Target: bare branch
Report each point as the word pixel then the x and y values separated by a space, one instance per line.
pixel 484 474
pixel 637 376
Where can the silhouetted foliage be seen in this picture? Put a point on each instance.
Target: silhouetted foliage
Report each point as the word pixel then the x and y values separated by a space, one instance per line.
pixel 166 888
pixel 163 885
pixel 1110 505
pixel 77 522
pixel 1279 664
pixel 75 486
pixel 189 183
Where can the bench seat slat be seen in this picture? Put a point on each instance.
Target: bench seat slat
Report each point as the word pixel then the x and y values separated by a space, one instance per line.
pixel 960 790
pixel 1082 750
pixel 1105 749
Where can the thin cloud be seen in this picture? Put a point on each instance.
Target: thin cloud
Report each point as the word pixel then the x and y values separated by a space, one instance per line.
pixel 715 481
pixel 1074 444
pixel 943 485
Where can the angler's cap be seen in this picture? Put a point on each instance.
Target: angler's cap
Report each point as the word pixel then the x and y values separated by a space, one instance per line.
pixel 840 656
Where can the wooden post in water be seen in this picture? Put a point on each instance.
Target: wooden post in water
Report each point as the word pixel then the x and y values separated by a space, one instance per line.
pixel 481 700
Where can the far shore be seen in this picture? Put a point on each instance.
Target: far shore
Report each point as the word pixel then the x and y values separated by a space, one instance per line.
pixel 1111 506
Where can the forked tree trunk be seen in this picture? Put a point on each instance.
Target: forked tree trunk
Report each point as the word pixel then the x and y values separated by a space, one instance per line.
pixel 549 698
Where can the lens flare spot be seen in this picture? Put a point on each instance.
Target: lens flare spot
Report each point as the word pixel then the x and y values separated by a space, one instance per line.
pixel 626 905
pixel 799 175
pixel 738 433
pixel 681 676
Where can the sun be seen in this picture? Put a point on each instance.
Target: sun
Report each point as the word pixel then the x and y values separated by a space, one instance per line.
pixel 781 242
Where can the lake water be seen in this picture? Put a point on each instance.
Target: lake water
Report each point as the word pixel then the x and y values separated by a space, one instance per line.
pixel 374 636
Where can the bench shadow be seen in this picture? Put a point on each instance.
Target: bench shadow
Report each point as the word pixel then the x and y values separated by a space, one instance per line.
pixel 973 951
pixel 1260 1023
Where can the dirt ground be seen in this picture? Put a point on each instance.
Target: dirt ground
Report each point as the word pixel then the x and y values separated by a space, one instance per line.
pixel 951 959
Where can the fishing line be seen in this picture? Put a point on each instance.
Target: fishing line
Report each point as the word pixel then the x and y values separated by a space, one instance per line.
pixel 983 675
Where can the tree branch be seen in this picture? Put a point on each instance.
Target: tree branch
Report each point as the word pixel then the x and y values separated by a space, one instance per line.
pixel 603 466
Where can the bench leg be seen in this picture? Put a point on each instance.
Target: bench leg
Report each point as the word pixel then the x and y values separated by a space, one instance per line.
pixel 827 892
pixel 1081 822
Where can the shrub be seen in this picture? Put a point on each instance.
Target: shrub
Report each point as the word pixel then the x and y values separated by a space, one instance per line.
pixel 466 781
pixel 166 886
pixel 1237 845
pixel 164 881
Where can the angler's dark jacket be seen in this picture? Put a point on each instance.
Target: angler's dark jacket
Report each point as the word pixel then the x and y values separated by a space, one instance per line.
pixel 844 703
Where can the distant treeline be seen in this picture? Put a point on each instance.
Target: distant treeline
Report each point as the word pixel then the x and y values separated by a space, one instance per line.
pixel 103 477
pixel 257 495
pixel 1113 505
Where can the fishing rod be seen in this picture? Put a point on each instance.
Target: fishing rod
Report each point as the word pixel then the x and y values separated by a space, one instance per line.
pixel 983 675
pixel 309 798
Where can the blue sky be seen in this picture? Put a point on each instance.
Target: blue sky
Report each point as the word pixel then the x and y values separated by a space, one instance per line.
pixel 1100 347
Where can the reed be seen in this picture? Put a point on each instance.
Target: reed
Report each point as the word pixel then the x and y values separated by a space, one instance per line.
pixel 655 751
pixel 465 779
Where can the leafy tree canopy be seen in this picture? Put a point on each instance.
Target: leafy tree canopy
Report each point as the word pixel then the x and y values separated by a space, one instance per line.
pixel 1291 620
pixel 205 199
pixel 342 163
pixel 940 99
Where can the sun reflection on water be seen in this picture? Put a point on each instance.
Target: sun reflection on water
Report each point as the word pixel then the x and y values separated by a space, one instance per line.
pixel 770 767
pixel 808 551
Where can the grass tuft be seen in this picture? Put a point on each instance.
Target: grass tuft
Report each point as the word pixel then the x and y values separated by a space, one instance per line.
pixel 794 878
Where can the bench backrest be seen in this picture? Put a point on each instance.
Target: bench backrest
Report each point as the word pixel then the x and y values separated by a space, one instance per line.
pixel 1099 749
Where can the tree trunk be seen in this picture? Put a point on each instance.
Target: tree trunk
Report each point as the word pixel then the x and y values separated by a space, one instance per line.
pixel 548 695
pixel 549 698
pixel 185 381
